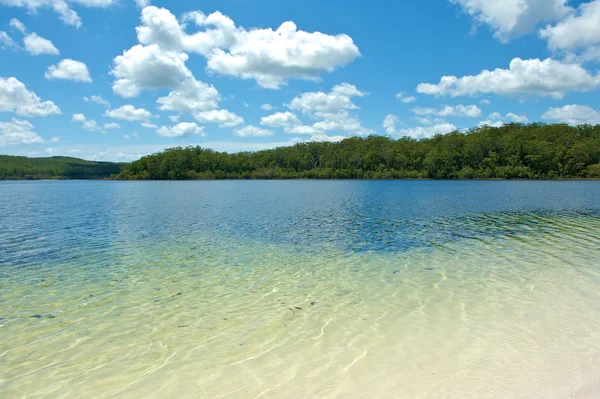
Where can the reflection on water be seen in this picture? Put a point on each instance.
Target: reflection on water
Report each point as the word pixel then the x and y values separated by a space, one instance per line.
pixel 218 290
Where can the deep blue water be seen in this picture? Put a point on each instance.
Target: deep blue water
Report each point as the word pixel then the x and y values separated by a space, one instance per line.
pixel 46 220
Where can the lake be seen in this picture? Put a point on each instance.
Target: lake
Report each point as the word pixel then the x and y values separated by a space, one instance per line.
pixel 297 289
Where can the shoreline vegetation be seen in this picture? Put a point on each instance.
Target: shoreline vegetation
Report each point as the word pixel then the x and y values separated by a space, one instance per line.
pixel 513 151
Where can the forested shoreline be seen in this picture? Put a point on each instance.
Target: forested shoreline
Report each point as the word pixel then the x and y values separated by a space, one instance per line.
pixel 513 151
pixel 55 168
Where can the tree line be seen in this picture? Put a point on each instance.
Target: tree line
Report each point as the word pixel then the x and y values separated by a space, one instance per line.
pixel 513 151
pixel 24 168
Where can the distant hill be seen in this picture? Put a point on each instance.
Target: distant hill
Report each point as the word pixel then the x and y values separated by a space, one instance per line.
pixel 15 168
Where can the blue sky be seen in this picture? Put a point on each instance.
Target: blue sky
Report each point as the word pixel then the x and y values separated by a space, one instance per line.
pixel 118 79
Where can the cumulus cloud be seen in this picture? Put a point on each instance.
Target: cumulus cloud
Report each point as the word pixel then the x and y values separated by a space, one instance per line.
pixel 270 57
pixel 190 96
pixel 573 115
pixel 330 110
pixel 149 125
pixel 465 111
pixel 267 107
pixel 130 113
pixel 578 31
pixel 316 103
pixel 389 124
pixel 142 3
pixel 181 130
pixel 421 132
pixel 517 118
pixel 222 117
pixel 61 7
pixel 148 67
pixel 511 18
pixel 78 118
pixel 281 120
pixel 18 131
pixel 69 69
pixel 495 119
pixel 547 78
pixel 87 124
pixel 581 29
pixel 14 97
pixel 36 45
pixel 174 118
pixel 252 131
pixel 111 125
pixel 404 98
pixel 97 100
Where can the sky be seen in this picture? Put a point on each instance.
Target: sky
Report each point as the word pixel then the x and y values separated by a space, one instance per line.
pixel 118 79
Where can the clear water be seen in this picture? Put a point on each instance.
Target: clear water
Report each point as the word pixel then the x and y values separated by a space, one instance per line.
pixel 296 289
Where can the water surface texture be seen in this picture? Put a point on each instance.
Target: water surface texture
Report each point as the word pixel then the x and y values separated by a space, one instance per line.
pixel 298 289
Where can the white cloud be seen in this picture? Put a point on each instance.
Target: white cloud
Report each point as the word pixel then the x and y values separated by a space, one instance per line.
pixel 174 118
pixel 55 139
pixel 181 130
pixel 389 124
pixel 130 113
pixel 149 125
pixel 142 3
pixel 331 110
pixel 6 41
pixel 404 98
pixel 126 136
pixel 190 96
pixel 252 131
pixel 495 116
pixel 338 100
pixel 16 24
pixel 111 125
pixel 577 30
pixel 281 119
pixel 70 70
pixel 61 7
pixel 87 124
pixel 14 97
pixel 267 107
pixel 97 99
pixel 148 67
pixel 271 57
pixel 517 118
pixel 573 115
pixel 491 123
pixel 495 119
pixel 51 150
pixel 421 132
pixel 548 78
pixel 220 116
pixel 511 18
pixel 78 118
pixel 464 111
pixel 91 125
pixel 18 131
pixel 36 45
pixel 485 101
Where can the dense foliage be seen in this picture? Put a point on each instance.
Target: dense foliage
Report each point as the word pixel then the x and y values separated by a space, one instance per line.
pixel 12 167
pixel 533 151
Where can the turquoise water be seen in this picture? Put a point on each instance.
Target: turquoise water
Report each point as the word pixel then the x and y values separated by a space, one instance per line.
pixel 299 289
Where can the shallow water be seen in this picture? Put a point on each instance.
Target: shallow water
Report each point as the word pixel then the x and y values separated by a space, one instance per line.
pixel 300 289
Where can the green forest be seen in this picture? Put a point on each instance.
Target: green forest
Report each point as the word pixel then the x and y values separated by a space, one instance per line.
pixel 19 168
pixel 514 151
